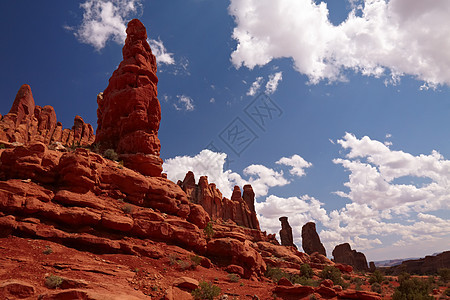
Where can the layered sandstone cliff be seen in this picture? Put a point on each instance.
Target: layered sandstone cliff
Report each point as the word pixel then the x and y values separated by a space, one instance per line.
pixel 27 123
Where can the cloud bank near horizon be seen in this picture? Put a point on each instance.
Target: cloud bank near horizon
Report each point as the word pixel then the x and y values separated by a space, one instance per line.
pixel 381 209
pixel 379 38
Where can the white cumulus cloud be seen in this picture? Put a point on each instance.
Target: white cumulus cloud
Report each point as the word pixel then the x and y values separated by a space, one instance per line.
pixel 378 38
pixel 104 20
pixel 297 164
pixel 160 52
pixel 274 80
pixel 254 88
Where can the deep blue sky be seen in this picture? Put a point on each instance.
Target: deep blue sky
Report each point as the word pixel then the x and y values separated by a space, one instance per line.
pixel 40 48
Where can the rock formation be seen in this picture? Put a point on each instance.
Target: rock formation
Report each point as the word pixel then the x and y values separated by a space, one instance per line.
pixel 344 254
pixel 310 239
pixel 28 123
pixel 239 209
pixel 128 110
pixel 424 266
pixel 286 233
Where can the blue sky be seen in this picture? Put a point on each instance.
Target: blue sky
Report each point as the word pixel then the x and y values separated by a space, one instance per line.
pixel 335 112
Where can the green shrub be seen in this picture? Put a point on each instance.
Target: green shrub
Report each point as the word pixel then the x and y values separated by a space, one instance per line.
pixel 306 271
pixel 209 231
pixel 48 250
pixel 444 274
pixel 376 277
pixel 276 274
pixel 234 277
pixel 206 290
pixel 333 273
pixel 111 154
pixel 196 260
pixel 346 277
pixel 376 287
pixel 2 146
pixel 412 288
pixel 127 209
pixel 53 281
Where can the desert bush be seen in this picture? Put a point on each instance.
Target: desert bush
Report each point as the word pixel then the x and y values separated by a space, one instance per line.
pixel 234 277
pixel 306 271
pixel 376 277
pixel 333 273
pixel 127 209
pixel 2 146
pixel 196 260
pixel 376 287
pixel 444 274
pixel 111 154
pixel 346 277
pixel 209 231
pixel 53 281
pixel 276 274
pixel 48 250
pixel 206 290
pixel 412 288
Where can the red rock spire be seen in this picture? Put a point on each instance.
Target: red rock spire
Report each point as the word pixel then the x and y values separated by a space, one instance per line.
pixel 129 112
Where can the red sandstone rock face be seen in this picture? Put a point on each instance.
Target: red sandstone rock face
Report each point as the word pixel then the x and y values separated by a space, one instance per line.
pixel 239 209
pixel 286 233
pixel 310 239
pixel 344 254
pixel 28 123
pixel 129 112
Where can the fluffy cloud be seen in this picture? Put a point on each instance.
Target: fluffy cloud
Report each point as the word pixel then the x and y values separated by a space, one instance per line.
pixel 160 52
pixel 254 88
pixel 297 163
pixel 184 103
pixel 374 169
pixel 104 20
pixel 107 19
pixel 274 80
pixel 211 164
pixel 379 37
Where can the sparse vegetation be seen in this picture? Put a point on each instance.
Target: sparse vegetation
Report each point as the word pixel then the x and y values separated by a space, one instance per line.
pixel 412 289
pixel 234 277
pixel 306 271
pixel 2 146
pixel 127 209
pixel 53 281
pixel 196 260
pixel 206 291
pixel 111 154
pixel 444 274
pixel 333 273
pixel 376 277
pixel 376 287
pixel 276 274
pixel 209 231
pixel 48 250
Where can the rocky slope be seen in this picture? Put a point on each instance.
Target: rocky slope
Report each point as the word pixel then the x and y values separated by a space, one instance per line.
pixel 76 225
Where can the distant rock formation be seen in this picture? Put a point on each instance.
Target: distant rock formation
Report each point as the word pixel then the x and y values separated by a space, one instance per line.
pixel 311 240
pixel 286 233
pixel 423 266
pixel 129 112
pixel 344 254
pixel 239 209
pixel 28 123
pixel 372 266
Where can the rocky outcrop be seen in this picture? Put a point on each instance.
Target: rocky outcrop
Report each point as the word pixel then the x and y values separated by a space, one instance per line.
pixel 286 233
pixel 310 239
pixel 344 254
pixel 129 112
pixel 239 209
pixel 29 123
pixel 423 266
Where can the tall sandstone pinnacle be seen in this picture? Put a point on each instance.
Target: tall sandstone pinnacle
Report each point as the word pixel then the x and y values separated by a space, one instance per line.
pixel 286 233
pixel 310 239
pixel 129 112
